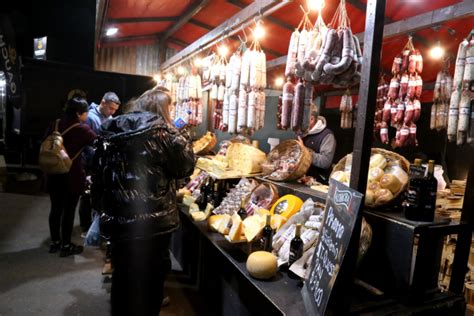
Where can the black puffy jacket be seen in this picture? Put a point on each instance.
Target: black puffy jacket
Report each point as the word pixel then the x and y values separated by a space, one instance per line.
pixel 133 178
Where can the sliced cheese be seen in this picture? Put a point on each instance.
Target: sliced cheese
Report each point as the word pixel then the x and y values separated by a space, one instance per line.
pixel 188 200
pixel 235 232
pixel 214 221
pixel 193 207
pixel 198 216
pixel 262 213
pixel 277 221
pixel 252 226
pixel 225 225
pixel 208 209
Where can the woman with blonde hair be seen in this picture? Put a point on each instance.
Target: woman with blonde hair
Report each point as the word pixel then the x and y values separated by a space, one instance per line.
pixel 135 169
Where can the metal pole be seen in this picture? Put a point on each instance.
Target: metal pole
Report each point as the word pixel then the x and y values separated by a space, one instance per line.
pixel 373 37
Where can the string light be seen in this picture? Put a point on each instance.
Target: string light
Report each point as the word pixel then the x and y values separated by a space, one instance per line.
pixel 316 5
pixel 259 31
pixel 437 51
pixel 111 31
pixel 223 50
pixel 279 81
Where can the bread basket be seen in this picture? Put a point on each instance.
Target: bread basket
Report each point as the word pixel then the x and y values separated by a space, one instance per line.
pixel 300 166
pixel 392 159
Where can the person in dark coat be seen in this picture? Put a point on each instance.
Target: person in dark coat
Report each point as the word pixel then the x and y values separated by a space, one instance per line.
pixel 321 142
pixel 65 189
pixel 134 173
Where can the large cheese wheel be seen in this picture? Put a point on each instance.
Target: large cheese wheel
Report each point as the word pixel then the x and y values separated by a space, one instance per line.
pixel 262 265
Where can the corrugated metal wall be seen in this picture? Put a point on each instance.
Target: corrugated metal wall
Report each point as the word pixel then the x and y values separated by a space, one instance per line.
pixel 135 60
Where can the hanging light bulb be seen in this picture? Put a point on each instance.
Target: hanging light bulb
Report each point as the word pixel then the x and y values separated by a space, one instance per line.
pixel 437 52
pixel 279 81
pixel 198 62
pixel 157 78
pixel 169 76
pixel 259 31
pixel 180 70
pixel 315 5
pixel 223 50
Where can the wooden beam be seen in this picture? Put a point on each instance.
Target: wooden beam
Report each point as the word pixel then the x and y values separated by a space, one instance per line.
pixel 362 7
pixel 276 21
pixel 419 22
pixel 277 62
pixel 229 27
pixel 185 17
pixel 143 19
pixel 176 41
pixel 132 38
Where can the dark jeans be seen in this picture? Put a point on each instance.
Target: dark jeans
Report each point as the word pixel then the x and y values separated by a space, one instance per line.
pixel 61 216
pixel 85 212
pixel 140 268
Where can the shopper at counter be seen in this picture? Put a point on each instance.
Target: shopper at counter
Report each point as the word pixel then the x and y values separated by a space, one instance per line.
pixel 65 189
pixel 133 184
pixel 321 142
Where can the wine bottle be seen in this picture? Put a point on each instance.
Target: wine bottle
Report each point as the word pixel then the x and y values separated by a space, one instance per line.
pixel 296 246
pixel 202 199
pixel 412 204
pixel 428 199
pixel 216 196
pixel 267 235
pixel 242 212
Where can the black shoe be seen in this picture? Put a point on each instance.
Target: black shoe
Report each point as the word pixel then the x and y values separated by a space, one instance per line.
pixel 54 247
pixel 70 250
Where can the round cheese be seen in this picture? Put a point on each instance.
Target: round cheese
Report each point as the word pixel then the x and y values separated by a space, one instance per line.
pixel 262 265
pixel 287 206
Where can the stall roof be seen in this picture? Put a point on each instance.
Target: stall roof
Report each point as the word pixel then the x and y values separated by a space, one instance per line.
pixel 142 21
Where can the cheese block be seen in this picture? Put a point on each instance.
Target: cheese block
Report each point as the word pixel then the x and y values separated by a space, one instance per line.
pixel 188 200
pixel 193 207
pixel 277 221
pixel 245 158
pixel 287 206
pixel 198 216
pixel 225 225
pixel 236 229
pixel 208 209
pixel 262 265
pixel 262 213
pixel 214 221
pixel 252 226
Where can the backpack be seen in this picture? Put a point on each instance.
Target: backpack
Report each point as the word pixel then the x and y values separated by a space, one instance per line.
pixel 53 158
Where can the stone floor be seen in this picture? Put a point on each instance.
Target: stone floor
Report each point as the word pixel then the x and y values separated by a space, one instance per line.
pixel 34 282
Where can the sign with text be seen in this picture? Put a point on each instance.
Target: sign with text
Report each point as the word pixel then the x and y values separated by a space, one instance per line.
pixel 40 47
pixel 342 207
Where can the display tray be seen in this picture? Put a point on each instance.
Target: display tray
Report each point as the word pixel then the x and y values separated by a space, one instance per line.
pixel 301 190
pixel 281 291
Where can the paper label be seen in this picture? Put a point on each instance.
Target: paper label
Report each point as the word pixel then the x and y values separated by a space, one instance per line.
pixel 394 84
pixel 384 131
pixel 287 97
pixel 453 112
pixel 470 60
pixel 464 111
pixel 404 131
pixel 401 107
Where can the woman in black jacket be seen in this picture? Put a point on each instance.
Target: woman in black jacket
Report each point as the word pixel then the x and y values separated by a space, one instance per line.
pixel 135 167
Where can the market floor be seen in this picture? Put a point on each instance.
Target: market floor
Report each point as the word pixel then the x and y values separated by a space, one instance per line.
pixel 34 282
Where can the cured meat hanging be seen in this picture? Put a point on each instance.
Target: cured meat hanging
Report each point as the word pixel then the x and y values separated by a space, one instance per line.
pixel 188 94
pixel 401 99
pixel 441 97
pixel 460 112
pixel 346 110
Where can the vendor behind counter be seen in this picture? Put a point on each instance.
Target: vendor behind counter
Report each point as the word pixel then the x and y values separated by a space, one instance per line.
pixel 321 142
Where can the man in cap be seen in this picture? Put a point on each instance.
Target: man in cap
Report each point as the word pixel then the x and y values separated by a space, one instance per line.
pixel 321 142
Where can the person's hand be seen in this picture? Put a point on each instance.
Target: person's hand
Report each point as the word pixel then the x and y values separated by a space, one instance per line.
pixel 300 141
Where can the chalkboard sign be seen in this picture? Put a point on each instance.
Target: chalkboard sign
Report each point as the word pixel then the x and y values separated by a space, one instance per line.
pixel 342 206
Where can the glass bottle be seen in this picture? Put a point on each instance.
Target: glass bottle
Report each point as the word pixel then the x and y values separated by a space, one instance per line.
pixel 267 235
pixel 412 203
pixel 296 246
pixel 430 189
pixel 242 212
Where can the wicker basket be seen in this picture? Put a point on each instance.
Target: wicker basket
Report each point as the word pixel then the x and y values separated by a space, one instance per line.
pixel 281 149
pixel 392 159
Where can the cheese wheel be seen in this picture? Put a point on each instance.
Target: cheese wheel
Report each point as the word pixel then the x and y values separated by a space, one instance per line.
pixel 377 160
pixel 375 174
pixel 236 229
pixel 262 265
pixel 369 197
pixel 383 196
pixel 214 221
pixel 198 216
pixel 287 206
pixel 389 181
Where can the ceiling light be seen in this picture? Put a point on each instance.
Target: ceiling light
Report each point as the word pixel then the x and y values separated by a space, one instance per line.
pixel 315 5
pixel 223 50
pixel 259 32
pixel 198 62
pixel 279 81
pixel 111 31
pixel 437 51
